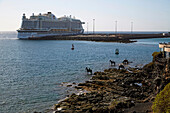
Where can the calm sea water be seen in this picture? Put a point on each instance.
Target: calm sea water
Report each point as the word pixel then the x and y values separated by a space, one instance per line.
pixel 31 71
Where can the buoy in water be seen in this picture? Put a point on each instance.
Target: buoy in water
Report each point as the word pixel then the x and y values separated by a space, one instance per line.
pixel 117 51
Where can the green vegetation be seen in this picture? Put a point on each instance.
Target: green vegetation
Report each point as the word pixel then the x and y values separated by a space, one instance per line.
pixel 161 103
pixel 149 66
pixel 155 54
pixel 113 105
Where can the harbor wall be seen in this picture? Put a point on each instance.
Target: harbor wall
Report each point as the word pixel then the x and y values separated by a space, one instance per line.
pixel 102 37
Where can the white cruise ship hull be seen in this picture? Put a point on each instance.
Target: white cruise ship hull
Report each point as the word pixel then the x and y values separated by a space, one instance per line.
pixel 24 35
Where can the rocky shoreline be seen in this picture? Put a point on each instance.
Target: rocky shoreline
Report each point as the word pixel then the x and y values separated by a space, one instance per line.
pixel 119 91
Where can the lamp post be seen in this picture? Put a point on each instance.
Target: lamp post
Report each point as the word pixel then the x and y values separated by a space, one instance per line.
pixel 115 27
pixel 131 27
pixel 87 27
pixel 93 26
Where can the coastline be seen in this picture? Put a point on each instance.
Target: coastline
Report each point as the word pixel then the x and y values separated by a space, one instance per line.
pixel 121 38
pixel 117 90
pixel 99 64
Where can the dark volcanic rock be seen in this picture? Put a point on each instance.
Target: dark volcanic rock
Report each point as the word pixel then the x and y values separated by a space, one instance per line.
pixel 116 90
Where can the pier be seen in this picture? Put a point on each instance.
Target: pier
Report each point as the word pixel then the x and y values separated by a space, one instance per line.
pixel 124 38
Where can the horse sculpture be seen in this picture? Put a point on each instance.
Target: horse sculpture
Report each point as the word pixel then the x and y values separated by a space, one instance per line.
pixel 125 62
pixel 112 62
pixel 89 70
pixel 121 66
pixel 72 47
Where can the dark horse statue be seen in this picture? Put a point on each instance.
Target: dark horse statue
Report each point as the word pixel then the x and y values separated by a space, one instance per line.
pixel 112 62
pixel 125 62
pixel 121 66
pixel 72 47
pixel 89 70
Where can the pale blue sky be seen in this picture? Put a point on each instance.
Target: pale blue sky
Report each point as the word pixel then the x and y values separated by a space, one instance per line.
pixel 147 15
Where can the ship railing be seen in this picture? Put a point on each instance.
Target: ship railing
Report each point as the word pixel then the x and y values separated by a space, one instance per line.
pixel 21 29
pixel 58 28
pixel 55 34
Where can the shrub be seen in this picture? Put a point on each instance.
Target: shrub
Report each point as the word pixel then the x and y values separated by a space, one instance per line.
pixel 149 66
pixel 155 54
pixel 113 105
pixel 161 103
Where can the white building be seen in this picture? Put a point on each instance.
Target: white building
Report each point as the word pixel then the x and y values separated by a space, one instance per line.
pixel 165 48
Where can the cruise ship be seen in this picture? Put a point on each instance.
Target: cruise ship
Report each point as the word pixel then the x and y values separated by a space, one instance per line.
pixel 44 25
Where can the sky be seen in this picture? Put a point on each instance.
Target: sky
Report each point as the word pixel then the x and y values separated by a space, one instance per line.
pixel 146 15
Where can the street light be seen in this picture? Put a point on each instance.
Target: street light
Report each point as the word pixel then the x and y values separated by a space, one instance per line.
pixel 131 27
pixel 115 27
pixel 87 27
pixel 93 26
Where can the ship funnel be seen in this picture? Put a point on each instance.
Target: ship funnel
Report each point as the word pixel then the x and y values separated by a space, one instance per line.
pixel 23 17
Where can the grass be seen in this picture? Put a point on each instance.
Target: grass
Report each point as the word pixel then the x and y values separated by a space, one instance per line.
pixel 161 103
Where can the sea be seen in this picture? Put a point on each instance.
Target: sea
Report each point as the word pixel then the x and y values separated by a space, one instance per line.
pixel 32 71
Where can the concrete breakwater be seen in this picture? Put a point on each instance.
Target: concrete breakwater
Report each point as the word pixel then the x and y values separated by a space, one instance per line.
pixel 124 38
pixel 113 90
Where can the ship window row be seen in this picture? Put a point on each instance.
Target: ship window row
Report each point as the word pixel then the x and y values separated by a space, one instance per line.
pixel 37 24
pixel 29 24
pixel 61 30
pixel 60 25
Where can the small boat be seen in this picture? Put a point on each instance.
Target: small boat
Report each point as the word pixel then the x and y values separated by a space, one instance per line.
pixel 72 47
pixel 117 51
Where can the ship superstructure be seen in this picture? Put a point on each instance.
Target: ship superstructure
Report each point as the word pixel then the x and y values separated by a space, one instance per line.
pixel 44 25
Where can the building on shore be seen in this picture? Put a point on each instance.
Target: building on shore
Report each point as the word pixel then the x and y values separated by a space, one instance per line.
pixel 165 48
